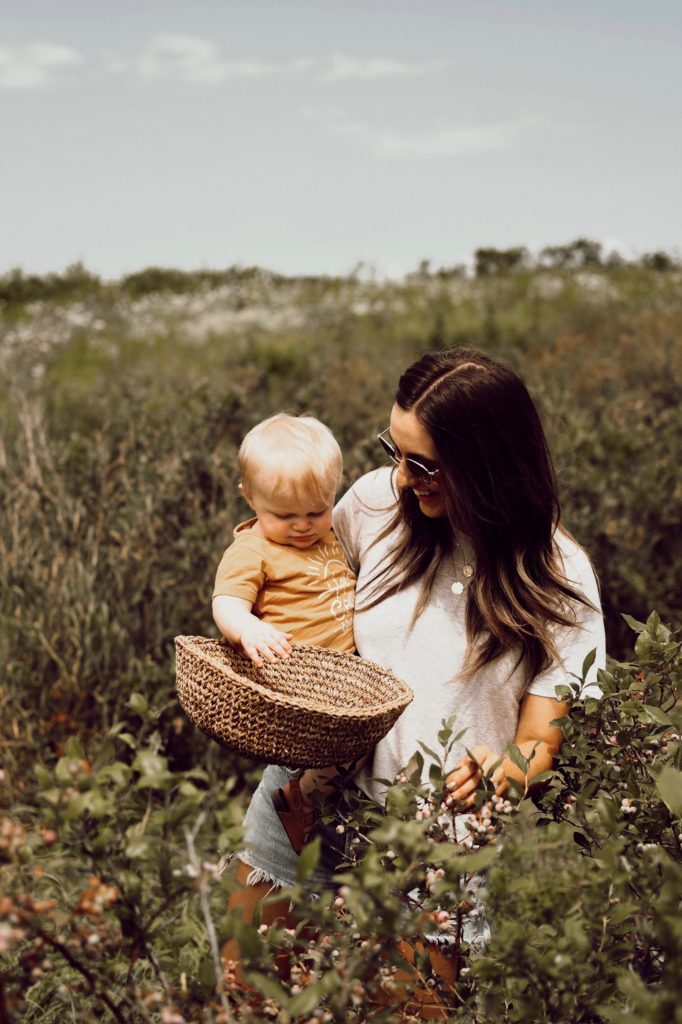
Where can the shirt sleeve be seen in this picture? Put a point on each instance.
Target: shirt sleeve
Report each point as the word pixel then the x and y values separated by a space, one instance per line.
pixel 575 642
pixel 241 573
pixel 345 521
pixel 361 512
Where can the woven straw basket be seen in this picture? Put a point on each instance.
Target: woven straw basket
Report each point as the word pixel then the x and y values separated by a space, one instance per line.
pixel 317 707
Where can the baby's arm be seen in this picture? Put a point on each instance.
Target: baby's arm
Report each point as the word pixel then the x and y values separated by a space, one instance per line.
pixel 237 623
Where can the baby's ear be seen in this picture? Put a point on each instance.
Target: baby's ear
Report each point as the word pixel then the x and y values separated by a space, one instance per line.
pixel 244 493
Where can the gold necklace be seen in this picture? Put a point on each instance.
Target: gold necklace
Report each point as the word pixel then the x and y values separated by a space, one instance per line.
pixel 467 572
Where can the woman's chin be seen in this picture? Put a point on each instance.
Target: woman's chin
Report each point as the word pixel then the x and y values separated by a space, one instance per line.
pixel 431 505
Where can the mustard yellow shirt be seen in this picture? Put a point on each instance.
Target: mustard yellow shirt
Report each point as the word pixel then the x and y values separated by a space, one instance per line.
pixel 308 592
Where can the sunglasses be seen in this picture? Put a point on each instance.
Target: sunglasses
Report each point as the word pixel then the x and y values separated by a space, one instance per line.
pixel 415 467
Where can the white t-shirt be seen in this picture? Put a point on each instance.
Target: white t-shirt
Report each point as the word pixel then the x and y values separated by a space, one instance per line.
pixel 429 656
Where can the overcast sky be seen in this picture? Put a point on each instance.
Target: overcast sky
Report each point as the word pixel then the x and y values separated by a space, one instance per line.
pixel 307 135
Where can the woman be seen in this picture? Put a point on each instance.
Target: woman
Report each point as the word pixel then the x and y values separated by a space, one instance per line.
pixel 468 589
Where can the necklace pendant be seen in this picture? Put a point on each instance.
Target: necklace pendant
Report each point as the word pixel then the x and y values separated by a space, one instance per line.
pixel 457 588
pixel 467 571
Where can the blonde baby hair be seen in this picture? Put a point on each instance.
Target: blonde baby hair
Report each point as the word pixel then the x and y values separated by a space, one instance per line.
pixel 295 455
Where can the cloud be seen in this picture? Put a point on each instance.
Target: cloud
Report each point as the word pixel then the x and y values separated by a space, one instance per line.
pixel 447 141
pixel 345 66
pixel 188 58
pixel 469 140
pixel 191 58
pixel 35 65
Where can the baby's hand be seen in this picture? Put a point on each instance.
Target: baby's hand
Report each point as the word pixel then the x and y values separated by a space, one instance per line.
pixel 261 641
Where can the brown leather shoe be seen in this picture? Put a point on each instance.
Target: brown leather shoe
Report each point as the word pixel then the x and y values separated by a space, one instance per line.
pixel 298 822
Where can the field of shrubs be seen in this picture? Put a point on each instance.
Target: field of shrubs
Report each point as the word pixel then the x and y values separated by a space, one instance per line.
pixel 121 408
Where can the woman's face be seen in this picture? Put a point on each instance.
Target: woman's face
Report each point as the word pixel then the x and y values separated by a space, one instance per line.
pixel 412 440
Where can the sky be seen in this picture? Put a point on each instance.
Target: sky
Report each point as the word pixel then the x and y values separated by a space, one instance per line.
pixel 307 136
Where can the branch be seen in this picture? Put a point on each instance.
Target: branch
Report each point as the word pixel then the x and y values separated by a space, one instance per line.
pixel 82 969
pixel 202 885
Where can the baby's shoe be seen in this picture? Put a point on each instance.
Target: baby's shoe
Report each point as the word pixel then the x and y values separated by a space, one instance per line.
pixel 297 820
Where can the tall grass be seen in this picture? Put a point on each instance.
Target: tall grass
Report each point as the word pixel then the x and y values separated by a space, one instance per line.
pixel 122 407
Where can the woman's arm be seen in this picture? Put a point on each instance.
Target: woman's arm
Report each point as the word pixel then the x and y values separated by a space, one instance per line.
pixel 535 738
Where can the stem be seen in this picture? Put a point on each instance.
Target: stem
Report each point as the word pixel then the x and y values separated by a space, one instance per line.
pixel 458 943
pixel 208 918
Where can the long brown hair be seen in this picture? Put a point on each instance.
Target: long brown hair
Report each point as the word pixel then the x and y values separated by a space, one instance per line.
pixel 499 488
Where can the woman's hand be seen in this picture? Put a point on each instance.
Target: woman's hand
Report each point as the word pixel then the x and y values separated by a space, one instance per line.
pixel 537 739
pixel 463 782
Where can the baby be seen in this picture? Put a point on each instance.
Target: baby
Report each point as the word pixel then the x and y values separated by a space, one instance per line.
pixel 285 576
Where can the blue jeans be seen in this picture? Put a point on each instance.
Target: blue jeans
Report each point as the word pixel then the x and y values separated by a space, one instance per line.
pixel 267 847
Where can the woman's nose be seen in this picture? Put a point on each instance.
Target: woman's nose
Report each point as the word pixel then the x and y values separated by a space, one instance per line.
pixel 404 478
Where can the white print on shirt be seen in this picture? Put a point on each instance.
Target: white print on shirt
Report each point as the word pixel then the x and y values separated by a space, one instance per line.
pixel 327 566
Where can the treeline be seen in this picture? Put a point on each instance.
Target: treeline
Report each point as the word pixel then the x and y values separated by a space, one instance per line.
pixel 17 287
pixel 582 254
pixel 76 282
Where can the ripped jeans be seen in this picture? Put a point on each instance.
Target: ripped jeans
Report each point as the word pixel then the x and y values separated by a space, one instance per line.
pixel 267 848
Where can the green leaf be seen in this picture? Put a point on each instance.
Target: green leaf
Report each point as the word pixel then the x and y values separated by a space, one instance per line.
pixel 138 704
pixel 669 785
pixel 153 771
pixel 429 751
pixel 75 807
pixel 249 940
pixel 138 847
pixel 656 715
pixel 73 749
pixel 582 840
pixel 268 987
pixel 305 1001
pixel 622 912
pixel 307 860
pixel 128 739
pixel 477 861
pixel 63 771
pixel 635 624
pixel 589 662
pixel 414 768
pixel 117 773
pixel 206 974
pixel 517 758
pixel 549 773
pixel 98 805
pixel 43 776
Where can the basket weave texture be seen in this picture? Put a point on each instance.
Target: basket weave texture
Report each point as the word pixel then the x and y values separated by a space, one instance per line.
pixel 317 707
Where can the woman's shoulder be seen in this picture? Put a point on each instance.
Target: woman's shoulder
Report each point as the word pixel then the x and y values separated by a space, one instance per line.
pixel 376 488
pixel 364 511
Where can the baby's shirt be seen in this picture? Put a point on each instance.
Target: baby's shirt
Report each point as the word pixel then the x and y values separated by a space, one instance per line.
pixel 308 592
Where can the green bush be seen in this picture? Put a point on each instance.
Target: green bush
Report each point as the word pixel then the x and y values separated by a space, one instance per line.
pixel 114 904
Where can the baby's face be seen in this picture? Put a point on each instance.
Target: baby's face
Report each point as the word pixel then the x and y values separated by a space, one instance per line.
pixel 296 521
